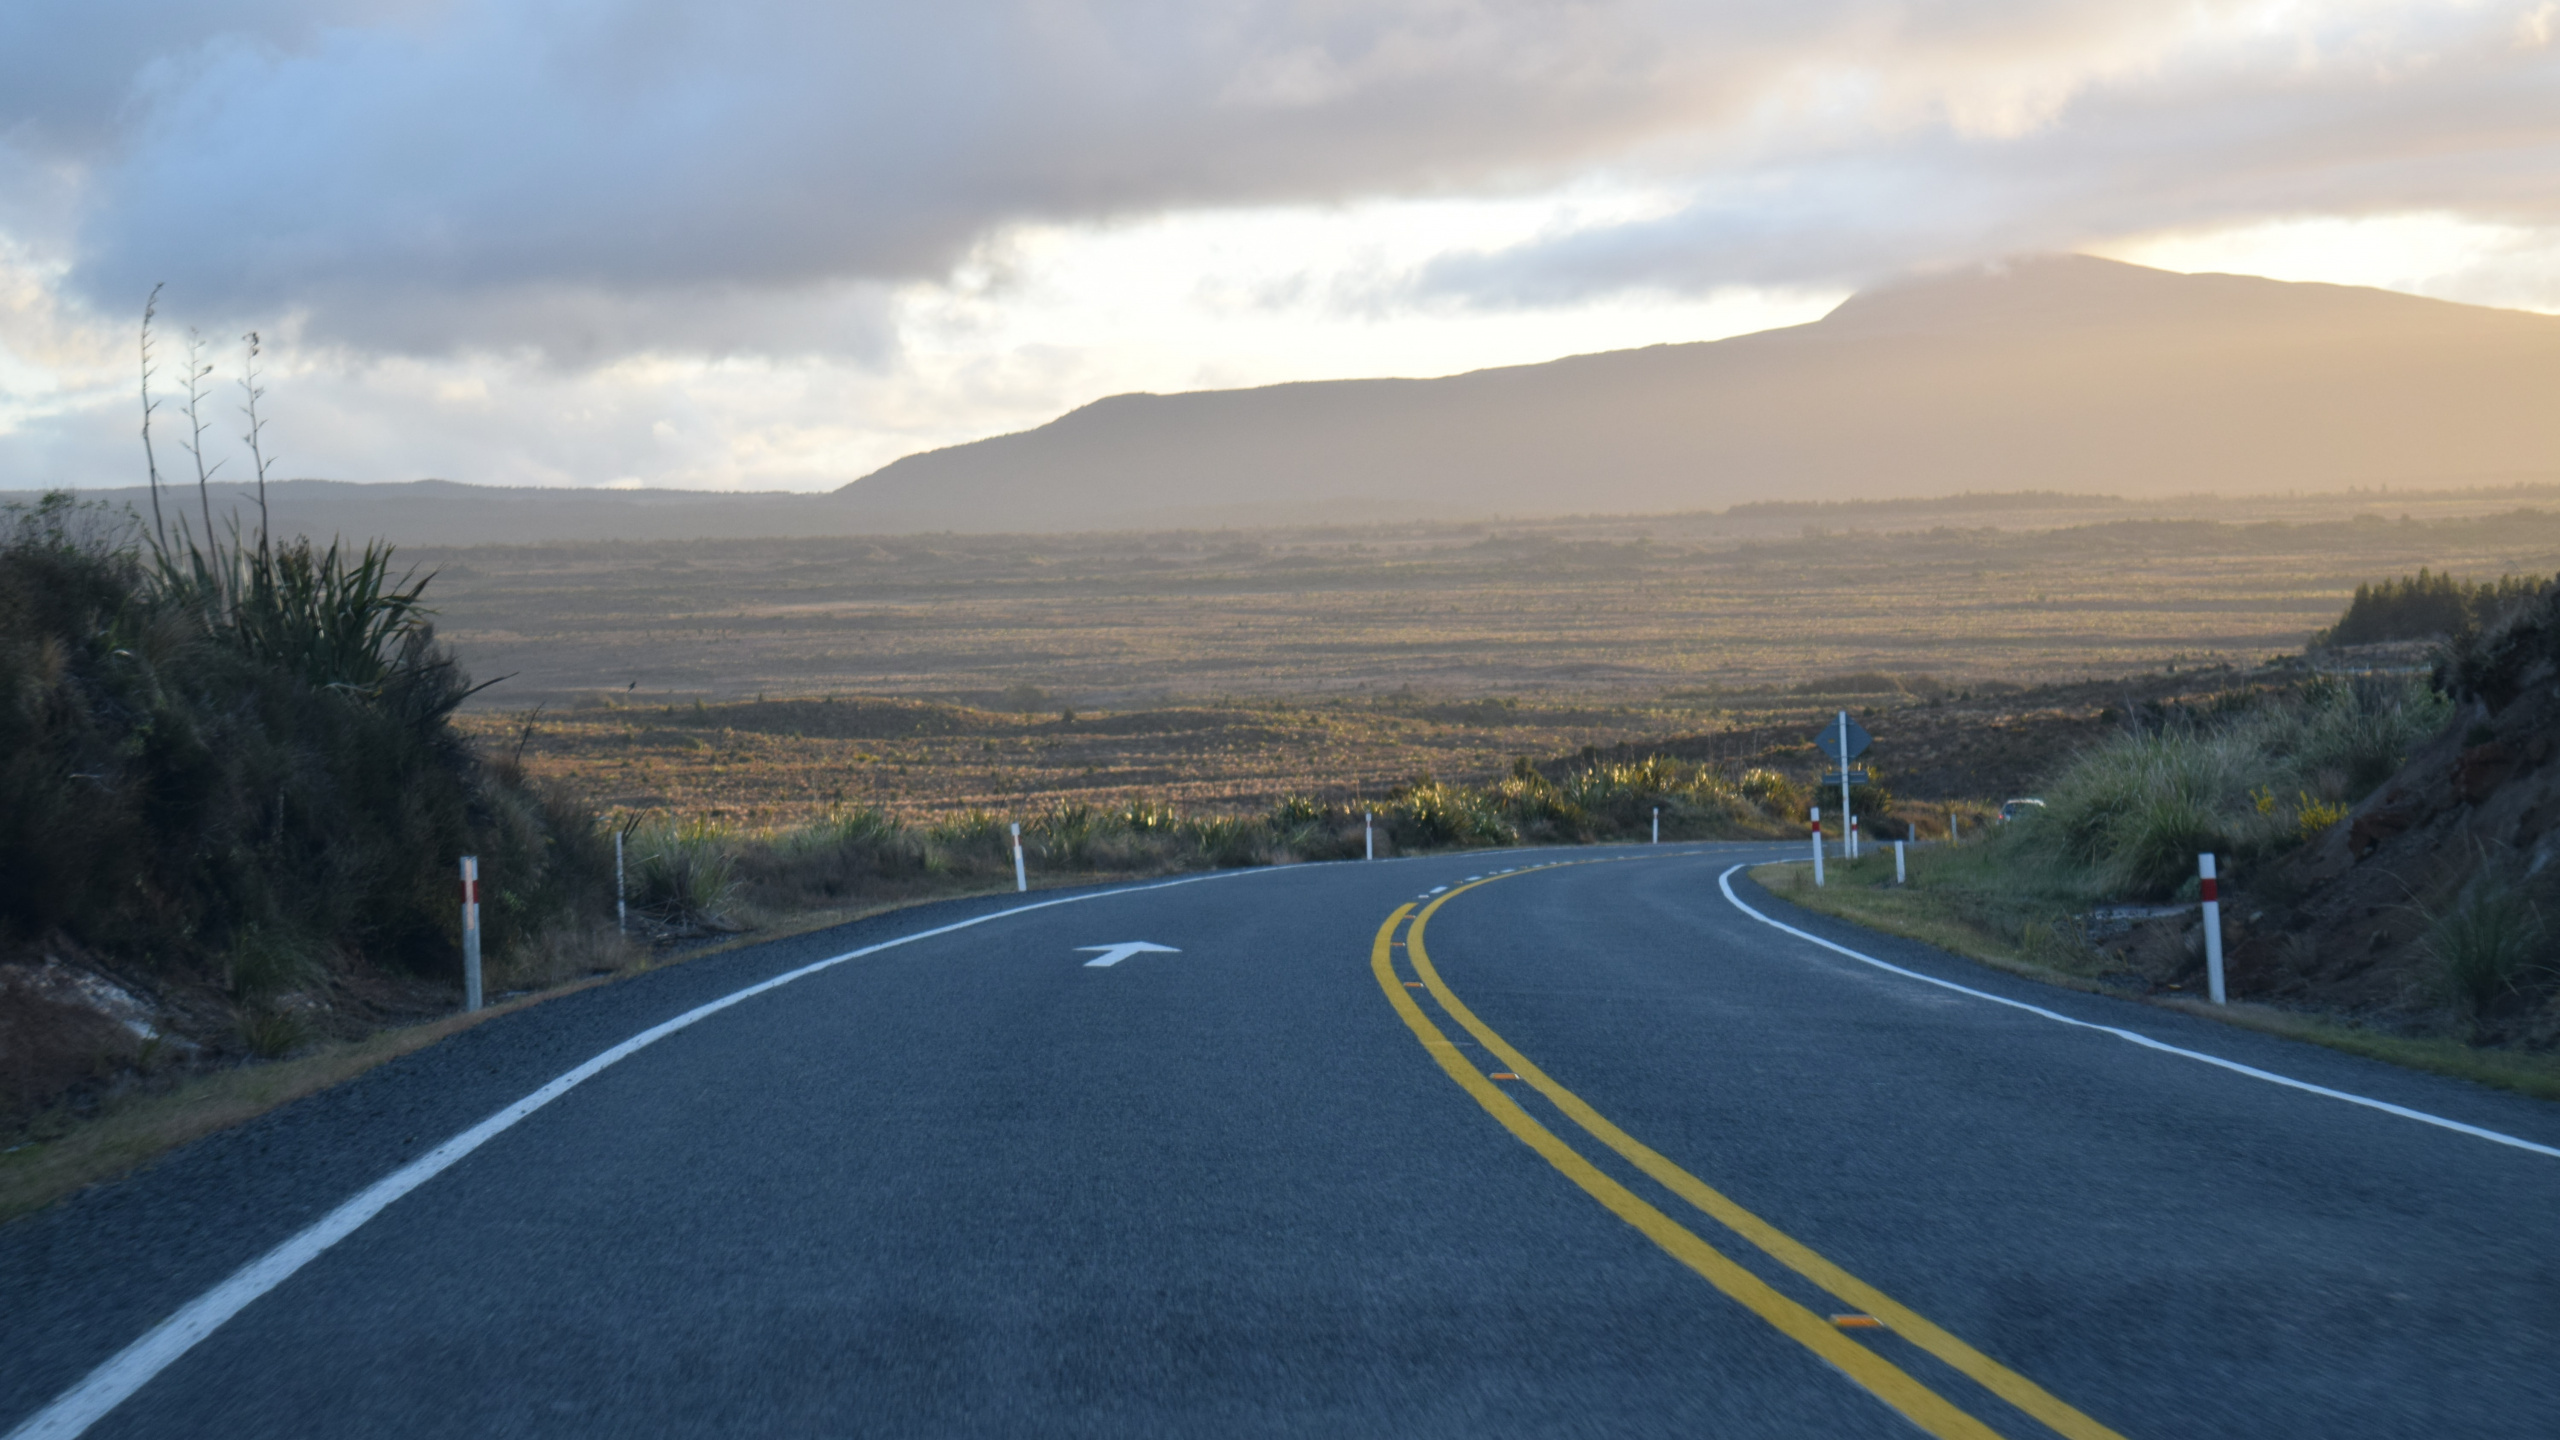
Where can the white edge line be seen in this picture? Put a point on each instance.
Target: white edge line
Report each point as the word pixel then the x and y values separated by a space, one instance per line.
pixel 112 1383
pixel 1724 882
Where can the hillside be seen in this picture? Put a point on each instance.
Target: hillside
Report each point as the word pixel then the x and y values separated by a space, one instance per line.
pixel 2061 373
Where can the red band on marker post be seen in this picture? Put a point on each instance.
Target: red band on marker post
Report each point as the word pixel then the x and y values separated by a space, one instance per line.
pixel 2207 890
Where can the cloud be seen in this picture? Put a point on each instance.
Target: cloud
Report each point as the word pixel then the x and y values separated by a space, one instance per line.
pixel 2399 111
pixel 428 176
pixel 359 170
pixel 581 241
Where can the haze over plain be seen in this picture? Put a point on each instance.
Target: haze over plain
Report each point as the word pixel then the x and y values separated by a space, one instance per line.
pixel 781 246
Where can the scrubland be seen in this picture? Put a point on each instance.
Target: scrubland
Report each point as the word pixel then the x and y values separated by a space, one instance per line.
pixel 1668 610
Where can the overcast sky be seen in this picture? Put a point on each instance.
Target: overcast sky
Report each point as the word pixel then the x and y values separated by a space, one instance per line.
pixel 765 244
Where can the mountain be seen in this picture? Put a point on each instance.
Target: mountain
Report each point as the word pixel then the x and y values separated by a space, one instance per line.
pixel 2063 373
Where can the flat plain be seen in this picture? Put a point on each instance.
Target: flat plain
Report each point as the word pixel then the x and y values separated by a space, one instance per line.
pixel 1227 667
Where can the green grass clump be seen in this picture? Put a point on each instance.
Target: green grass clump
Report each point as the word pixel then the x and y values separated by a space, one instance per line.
pixel 686 875
pixel 2488 944
pixel 2136 811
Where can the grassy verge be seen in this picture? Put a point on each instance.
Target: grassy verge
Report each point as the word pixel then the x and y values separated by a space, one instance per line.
pixel 1980 903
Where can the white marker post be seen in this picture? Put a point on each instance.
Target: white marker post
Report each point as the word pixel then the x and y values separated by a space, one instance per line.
pixel 1021 877
pixel 1952 837
pixel 1817 844
pixel 470 932
pixel 2207 890
pixel 1852 846
pixel 1657 824
pixel 621 893
pixel 1900 876
pixel 1368 835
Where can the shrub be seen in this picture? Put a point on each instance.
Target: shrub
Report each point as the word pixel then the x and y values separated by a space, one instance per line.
pixel 1431 814
pixel 1773 792
pixel 2488 945
pixel 234 763
pixel 686 875
pixel 2136 810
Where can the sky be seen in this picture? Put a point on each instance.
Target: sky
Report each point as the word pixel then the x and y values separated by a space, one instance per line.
pixel 776 245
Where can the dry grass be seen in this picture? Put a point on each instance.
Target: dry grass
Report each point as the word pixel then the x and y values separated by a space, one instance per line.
pixel 786 762
pixel 1670 610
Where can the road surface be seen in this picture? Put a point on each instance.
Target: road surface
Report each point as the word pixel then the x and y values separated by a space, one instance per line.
pixel 1532 1143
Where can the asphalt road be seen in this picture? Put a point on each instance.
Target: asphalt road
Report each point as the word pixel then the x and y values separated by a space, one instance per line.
pixel 1269 1183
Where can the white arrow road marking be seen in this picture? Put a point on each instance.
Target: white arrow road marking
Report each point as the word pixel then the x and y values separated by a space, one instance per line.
pixel 1114 954
pixel 106 1387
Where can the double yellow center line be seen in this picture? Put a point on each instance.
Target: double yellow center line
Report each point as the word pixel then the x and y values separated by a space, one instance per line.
pixel 1926 1408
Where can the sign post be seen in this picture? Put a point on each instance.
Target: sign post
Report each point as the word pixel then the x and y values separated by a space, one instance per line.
pixel 1845 742
pixel 470 932
pixel 1851 834
pixel 2208 891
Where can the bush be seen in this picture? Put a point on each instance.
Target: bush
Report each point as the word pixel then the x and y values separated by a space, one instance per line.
pixel 685 875
pixel 2136 811
pixel 2489 944
pixel 232 763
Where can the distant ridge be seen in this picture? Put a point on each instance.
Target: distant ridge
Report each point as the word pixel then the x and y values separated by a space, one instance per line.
pixel 2058 373
pixel 445 512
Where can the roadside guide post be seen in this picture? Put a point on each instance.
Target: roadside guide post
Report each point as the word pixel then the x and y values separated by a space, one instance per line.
pixel 1899 874
pixel 2206 890
pixel 1817 845
pixel 621 894
pixel 1021 878
pixel 470 932
pixel 1657 824
pixel 1368 834
pixel 1852 845
pixel 1952 837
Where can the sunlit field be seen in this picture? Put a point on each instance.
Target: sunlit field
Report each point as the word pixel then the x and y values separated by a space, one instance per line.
pixel 1668 610
pixel 763 682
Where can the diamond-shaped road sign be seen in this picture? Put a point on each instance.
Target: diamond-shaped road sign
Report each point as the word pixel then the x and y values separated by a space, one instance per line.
pixel 1828 741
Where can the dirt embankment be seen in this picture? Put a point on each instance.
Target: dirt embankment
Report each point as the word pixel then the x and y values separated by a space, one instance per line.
pixel 2363 918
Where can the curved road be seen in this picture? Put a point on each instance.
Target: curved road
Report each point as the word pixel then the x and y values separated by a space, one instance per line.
pixel 1543 1142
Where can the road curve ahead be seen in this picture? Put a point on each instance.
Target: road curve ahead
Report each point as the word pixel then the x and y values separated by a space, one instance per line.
pixel 1540 1142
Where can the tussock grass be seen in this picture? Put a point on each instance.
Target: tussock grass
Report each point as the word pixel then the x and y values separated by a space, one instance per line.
pixel 2489 943
pixel 2134 813
pixel 694 873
